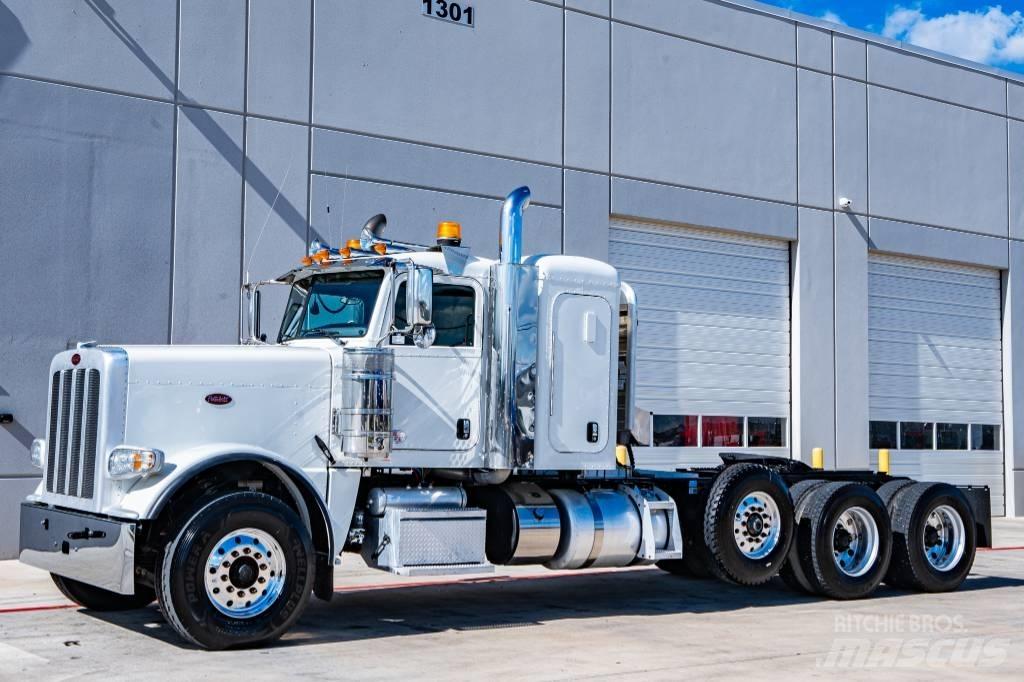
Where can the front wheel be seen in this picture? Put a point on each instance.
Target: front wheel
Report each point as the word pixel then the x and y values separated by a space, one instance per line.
pixel 98 599
pixel 239 573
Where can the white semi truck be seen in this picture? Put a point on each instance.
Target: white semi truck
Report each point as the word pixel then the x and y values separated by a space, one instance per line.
pixel 437 413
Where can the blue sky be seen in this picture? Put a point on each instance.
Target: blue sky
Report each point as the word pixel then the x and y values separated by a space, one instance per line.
pixel 986 32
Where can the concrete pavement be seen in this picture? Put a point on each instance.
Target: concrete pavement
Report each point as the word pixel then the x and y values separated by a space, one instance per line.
pixel 531 623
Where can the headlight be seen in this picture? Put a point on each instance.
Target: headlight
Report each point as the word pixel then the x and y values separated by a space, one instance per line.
pixel 38 452
pixel 128 462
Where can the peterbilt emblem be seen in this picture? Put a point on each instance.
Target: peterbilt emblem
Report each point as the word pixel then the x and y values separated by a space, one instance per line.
pixel 218 399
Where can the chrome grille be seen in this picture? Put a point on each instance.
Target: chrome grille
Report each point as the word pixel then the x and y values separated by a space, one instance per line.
pixel 74 417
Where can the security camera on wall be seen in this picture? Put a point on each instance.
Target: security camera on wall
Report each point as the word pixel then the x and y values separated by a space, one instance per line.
pixel 845 203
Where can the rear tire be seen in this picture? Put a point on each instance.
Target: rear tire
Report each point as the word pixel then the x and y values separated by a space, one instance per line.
pixel 748 524
pixel 239 573
pixel 98 599
pixel 890 492
pixel 934 538
pixel 793 573
pixel 847 541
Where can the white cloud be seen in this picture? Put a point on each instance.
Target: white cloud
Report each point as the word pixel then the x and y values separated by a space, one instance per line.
pixel 989 36
pixel 833 17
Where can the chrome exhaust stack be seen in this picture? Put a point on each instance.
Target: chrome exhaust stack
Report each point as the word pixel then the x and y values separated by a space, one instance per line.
pixel 512 371
pixel 510 239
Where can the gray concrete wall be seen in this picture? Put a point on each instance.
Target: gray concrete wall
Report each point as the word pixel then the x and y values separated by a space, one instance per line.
pixel 154 153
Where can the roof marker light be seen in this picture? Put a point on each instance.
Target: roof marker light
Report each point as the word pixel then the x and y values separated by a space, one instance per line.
pixel 449 233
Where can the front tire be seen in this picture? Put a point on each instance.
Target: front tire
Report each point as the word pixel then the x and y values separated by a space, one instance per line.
pixel 239 573
pixel 98 599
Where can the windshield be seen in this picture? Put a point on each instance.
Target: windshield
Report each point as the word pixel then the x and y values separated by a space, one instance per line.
pixel 337 305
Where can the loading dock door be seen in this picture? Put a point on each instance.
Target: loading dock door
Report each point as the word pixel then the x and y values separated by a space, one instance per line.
pixel 935 353
pixel 713 345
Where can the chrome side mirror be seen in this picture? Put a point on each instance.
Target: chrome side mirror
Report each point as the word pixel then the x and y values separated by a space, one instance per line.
pixel 419 306
pixel 419 298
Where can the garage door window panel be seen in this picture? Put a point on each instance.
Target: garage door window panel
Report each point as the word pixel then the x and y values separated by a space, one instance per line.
pixel 676 431
pixel 722 432
pixel 951 436
pixel 766 432
pixel 985 437
pixel 917 436
pixel 884 435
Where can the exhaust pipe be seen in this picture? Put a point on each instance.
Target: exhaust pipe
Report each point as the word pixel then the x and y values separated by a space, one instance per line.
pixel 506 444
pixel 510 239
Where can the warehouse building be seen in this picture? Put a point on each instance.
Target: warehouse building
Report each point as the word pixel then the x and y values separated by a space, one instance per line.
pixel 821 225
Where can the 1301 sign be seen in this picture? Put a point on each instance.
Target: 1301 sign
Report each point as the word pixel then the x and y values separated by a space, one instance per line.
pixel 449 11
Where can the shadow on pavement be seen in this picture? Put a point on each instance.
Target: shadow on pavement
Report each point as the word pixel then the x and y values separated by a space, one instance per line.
pixel 517 603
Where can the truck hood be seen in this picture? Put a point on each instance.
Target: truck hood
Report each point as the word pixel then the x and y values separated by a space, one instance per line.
pixel 273 397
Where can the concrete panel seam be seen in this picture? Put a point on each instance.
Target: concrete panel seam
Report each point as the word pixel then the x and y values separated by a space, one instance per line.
pixel 719 192
pixel 174 170
pixel 278 119
pixel 309 127
pixel 245 155
pixel 960 230
pixel 428 188
pixel 706 43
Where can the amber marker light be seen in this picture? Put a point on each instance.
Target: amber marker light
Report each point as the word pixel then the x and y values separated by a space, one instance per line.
pixel 449 233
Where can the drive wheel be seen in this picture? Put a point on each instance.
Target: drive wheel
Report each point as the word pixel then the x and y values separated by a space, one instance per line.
pixel 792 572
pixel 847 542
pixel 748 524
pixel 98 599
pixel 934 538
pixel 239 572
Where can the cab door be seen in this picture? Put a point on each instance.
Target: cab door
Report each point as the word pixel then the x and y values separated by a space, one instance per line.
pixel 437 390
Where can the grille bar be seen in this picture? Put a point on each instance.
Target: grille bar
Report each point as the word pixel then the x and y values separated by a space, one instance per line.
pixel 91 433
pixel 73 432
pixel 75 453
pixel 65 423
pixel 51 459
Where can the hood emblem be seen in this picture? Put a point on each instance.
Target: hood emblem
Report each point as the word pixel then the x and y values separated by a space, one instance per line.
pixel 218 399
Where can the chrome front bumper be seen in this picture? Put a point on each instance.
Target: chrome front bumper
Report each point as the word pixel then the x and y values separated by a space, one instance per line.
pixel 82 547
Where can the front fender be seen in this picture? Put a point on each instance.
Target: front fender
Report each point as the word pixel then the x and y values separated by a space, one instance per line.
pixel 147 497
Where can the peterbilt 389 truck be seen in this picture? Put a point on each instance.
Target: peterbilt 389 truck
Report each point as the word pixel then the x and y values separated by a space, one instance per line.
pixel 436 413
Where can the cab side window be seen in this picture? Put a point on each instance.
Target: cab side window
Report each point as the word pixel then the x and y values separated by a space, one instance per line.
pixel 454 316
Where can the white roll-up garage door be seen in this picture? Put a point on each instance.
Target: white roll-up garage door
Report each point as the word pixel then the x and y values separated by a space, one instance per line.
pixel 935 351
pixel 713 361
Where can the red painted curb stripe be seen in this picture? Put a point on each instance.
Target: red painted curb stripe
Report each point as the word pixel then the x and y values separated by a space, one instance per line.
pixel 1000 549
pixel 42 607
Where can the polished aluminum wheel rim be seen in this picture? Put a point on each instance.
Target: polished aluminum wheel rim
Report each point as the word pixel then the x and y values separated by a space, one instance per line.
pixel 944 539
pixel 245 573
pixel 855 542
pixel 756 525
